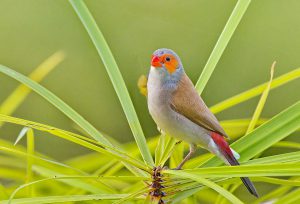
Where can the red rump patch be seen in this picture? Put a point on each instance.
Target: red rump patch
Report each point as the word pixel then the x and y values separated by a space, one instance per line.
pixel 221 143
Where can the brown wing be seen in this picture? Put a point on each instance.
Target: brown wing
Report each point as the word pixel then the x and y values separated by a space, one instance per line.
pixel 187 102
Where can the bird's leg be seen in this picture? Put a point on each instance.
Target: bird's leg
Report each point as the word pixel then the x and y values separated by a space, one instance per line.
pixel 193 148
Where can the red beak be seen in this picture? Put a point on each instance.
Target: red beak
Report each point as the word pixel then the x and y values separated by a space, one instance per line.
pixel 155 62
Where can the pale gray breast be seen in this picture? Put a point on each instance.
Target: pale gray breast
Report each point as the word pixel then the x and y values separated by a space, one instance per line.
pixel 158 98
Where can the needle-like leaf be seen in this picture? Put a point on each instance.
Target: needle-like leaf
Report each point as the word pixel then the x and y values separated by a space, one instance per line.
pixel 115 76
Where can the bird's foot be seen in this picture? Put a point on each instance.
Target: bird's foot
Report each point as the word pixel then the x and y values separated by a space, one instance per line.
pixel 177 168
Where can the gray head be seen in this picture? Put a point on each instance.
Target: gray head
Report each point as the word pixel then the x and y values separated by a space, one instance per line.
pixel 166 59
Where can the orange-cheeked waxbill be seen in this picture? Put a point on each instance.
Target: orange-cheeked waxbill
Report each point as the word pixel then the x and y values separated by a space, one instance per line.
pixel 180 112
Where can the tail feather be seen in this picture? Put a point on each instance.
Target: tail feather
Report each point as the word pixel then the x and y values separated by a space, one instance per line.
pixel 230 157
pixel 249 185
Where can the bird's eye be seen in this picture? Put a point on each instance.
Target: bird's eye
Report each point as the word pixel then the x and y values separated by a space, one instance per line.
pixel 168 59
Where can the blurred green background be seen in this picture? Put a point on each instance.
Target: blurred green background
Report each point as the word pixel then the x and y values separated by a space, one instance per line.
pixel 32 30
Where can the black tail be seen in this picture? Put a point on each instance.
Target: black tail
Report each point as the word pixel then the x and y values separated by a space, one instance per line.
pixel 249 185
pixel 227 153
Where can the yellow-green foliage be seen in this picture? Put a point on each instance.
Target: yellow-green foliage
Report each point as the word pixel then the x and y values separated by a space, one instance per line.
pixel 122 173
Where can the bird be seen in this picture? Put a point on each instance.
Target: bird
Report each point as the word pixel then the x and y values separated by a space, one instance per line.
pixel 179 111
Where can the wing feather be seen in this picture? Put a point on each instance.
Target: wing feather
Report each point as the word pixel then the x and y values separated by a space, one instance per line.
pixel 187 102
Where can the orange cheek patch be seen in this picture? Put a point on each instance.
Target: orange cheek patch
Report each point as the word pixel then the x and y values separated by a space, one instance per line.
pixel 171 66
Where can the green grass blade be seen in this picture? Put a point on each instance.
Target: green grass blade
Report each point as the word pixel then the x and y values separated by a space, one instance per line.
pixel 159 150
pixel 78 139
pixel 261 103
pixel 132 196
pixel 177 155
pixel 280 158
pixel 287 144
pixel 30 161
pixel 278 169
pixel 75 180
pixel 238 127
pixel 273 194
pixel 169 147
pixel 93 187
pixel 3 193
pixel 58 103
pixel 278 181
pixel 232 101
pixel 115 76
pixel 16 157
pixel 222 42
pixel 291 197
pixel 39 160
pixel 266 135
pixel 66 198
pixel 14 100
pixel 208 183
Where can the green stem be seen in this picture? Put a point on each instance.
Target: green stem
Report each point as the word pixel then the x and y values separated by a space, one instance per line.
pixel 222 42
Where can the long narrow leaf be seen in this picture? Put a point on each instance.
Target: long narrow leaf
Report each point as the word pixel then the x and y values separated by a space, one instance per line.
pixel 66 198
pixel 222 42
pixel 115 76
pixel 286 169
pixel 207 183
pixel 232 101
pixel 261 103
pixel 292 197
pixel 13 101
pixel 78 139
pixel 30 151
pixel 57 102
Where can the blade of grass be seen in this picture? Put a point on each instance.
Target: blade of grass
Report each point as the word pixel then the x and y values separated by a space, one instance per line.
pixel 12 173
pixel 159 150
pixel 208 183
pixel 169 147
pixel 132 196
pixel 287 144
pixel 115 76
pixel 280 158
pixel 3 193
pixel 78 139
pixel 273 194
pixel 14 100
pixel 232 101
pixel 278 181
pixel 177 155
pixel 17 155
pixel 57 102
pixel 67 178
pixel 66 198
pixel 261 103
pixel 222 42
pixel 39 160
pixel 30 161
pixel 71 113
pixel 278 169
pixel 291 197
pixel 238 127
pixel 93 187
pixel 283 182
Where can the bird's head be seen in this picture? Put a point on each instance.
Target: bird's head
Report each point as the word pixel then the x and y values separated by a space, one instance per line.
pixel 167 60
